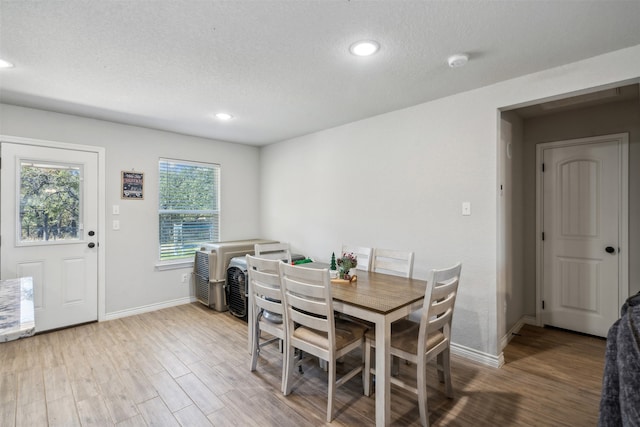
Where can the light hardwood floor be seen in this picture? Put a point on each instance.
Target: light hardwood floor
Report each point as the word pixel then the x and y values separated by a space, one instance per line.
pixel 189 366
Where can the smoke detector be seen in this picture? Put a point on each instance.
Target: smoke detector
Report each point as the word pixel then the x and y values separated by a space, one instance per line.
pixel 458 60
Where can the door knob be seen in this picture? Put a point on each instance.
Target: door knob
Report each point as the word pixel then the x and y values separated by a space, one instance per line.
pixel 610 250
pixel 91 244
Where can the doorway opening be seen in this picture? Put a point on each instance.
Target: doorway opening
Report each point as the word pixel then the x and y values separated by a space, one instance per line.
pixel 609 110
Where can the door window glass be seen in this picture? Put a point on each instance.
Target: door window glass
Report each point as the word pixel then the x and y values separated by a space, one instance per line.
pixel 49 208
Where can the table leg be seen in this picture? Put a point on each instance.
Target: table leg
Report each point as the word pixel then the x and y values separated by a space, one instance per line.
pixel 383 372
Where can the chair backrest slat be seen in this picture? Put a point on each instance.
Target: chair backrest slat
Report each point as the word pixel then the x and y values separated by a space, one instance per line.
pixel 277 251
pixel 264 282
pixel 391 261
pixel 363 254
pixel 269 305
pixel 439 302
pixel 309 290
pixel 302 318
pixel 313 306
pixel 307 298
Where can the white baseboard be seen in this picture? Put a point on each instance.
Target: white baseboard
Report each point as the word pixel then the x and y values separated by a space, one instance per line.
pixel 524 320
pixel 477 356
pixel 148 308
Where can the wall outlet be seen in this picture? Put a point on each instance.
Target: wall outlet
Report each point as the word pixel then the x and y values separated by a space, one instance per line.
pixel 185 277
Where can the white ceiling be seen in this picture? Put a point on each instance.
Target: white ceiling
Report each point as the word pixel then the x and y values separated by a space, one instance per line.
pixel 282 68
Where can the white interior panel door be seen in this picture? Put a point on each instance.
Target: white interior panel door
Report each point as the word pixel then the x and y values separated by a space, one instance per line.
pixel 49 230
pixel 581 223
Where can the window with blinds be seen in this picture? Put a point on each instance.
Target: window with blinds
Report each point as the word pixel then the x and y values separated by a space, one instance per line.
pixel 189 207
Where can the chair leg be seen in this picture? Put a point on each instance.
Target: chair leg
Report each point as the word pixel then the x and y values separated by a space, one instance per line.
pixel 422 392
pixel 285 365
pixel 291 363
pixel 440 367
pixel 255 346
pixel 366 372
pixel 446 368
pixel 332 389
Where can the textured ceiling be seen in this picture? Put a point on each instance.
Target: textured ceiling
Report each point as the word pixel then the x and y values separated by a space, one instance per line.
pixel 282 68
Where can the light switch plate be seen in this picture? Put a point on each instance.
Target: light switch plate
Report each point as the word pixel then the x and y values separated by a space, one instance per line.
pixel 466 208
pixel 116 209
pixel 116 224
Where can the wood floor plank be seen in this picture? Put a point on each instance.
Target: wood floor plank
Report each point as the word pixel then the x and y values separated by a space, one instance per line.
pixel 156 413
pixel 8 387
pixel 101 368
pixel 30 386
pixel 192 416
pixel 117 400
pixel 27 355
pixel 56 383
pixel 205 399
pixel 32 414
pixel 50 351
pixel 84 388
pixel 7 356
pixel 138 386
pixel 63 412
pixel 8 413
pixel 148 365
pixel 94 412
pixel 170 391
pixel 182 352
pixel 137 421
pixel 171 363
pixel 235 412
pixel 189 364
pixel 214 381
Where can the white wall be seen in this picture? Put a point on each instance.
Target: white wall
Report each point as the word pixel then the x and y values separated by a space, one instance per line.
pixel 397 180
pixel 132 281
pixel 510 228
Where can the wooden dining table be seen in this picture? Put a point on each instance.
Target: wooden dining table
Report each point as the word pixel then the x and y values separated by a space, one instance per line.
pixel 380 299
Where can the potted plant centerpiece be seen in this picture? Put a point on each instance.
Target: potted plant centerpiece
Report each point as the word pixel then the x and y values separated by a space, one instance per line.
pixel 346 262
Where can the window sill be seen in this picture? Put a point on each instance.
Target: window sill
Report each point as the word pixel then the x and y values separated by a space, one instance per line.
pixel 174 265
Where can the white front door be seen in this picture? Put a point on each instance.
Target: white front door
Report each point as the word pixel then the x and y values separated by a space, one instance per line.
pixel 582 199
pixel 49 229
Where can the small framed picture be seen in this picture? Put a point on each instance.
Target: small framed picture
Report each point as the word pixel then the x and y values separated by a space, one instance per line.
pixel 132 185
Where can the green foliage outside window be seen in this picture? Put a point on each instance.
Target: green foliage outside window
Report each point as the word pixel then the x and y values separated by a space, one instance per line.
pixel 49 202
pixel 188 211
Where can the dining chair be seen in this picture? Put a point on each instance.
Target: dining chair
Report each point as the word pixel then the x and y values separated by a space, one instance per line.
pixel 390 261
pixel 279 251
pixel 265 301
pixel 419 343
pixel 363 254
pixel 312 328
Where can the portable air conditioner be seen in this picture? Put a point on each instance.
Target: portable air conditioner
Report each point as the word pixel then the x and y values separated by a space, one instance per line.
pixel 236 290
pixel 210 267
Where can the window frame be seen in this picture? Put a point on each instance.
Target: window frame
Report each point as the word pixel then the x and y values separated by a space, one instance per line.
pixel 186 260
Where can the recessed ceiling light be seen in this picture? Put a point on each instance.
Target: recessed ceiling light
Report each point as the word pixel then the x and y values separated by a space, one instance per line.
pixel 224 116
pixel 364 48
pixel 5 64
pixel 458 60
